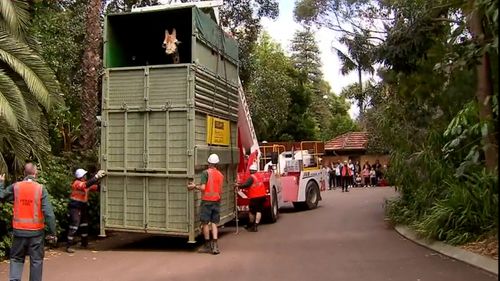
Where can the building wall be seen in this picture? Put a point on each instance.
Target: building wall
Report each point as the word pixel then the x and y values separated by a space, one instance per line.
pixel 383 159
pixel 371 158
pixel 329 159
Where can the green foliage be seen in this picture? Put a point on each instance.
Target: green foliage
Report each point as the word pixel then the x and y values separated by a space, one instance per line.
pixel 116 6
pixel 59 29
pixel 242 19
pixel 28 91
pixel 305 55
pixel 5 228
pixel 288 98
pixel 326 114
pixel 465 212
pixel 425 111
pixel 300 124
pixel 457 211
pixel 267 93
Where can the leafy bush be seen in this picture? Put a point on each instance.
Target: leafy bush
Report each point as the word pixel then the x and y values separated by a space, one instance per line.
pixel 5 228
pixel 458 210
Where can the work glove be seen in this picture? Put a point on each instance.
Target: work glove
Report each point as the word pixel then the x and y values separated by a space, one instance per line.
pixel 51 241
pixel 191 186
pixel 100 174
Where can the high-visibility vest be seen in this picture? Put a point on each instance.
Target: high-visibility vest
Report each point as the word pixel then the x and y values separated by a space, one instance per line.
pixel 258 189
pixel 346 171
pixel 80 192
pixel 213 187
pixel 28 213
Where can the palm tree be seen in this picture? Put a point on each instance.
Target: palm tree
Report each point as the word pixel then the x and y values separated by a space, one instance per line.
pixel 91 69
pixel 28 90
pixel 360 57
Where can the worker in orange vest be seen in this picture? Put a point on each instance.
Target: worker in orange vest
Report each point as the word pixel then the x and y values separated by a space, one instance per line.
pixel 257 195
pixel 32 210
pixel 77 206
pixel 211 187
pixel 346 173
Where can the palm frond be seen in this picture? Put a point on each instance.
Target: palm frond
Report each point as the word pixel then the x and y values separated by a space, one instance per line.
pixel 3 163
pixel 14 17
pixel 39 78
pixel 7 112
pixel 15 99
pixel 348 64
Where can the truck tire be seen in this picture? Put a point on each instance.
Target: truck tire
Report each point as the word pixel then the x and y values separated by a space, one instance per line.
pixel 312 195
pixel 272 213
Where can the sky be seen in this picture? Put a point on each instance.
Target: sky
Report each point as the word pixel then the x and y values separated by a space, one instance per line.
pixel 282 30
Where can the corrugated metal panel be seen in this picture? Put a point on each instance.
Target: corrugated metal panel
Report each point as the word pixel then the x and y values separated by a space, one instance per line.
pixel 126 87
pixel 161 205
pixel 208 58
pixel 214 96
pixel 148 145
pixel 168 86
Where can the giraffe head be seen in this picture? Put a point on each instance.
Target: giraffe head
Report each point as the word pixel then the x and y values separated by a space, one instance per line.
pixel 170 42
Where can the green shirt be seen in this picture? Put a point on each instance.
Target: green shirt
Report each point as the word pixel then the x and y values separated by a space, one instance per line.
pixel 248 183
pixel 7 193
pixel 204 177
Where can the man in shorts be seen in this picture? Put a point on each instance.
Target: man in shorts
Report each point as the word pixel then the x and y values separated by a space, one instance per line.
pixel 257 194
pixel 211 188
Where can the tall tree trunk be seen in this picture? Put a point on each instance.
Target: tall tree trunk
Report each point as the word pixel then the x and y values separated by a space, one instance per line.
pixel 484 90
pixel 361 97
pixel 91 69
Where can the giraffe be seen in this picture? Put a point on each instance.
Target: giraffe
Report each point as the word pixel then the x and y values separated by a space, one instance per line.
pixel 170 44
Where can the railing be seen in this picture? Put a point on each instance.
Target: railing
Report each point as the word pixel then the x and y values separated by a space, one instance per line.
pixel 315 149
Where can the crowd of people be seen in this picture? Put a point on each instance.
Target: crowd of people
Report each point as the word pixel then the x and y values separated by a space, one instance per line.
pixel 347 174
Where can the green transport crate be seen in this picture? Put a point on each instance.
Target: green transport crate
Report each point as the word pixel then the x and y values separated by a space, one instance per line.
pixel 160 121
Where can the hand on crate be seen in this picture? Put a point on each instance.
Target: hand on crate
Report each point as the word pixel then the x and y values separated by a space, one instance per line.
pixel 191 186
pixel 100 174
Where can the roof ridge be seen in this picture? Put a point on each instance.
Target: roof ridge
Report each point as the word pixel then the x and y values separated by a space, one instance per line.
pixel 345 140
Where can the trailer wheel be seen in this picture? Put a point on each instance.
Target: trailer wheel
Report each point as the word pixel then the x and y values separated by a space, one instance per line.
pixel 312 195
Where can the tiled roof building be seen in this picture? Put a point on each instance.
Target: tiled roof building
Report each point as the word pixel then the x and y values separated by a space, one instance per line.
pixel 348 141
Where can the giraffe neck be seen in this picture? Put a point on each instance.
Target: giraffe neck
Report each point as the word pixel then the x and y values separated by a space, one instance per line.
pixel 176 58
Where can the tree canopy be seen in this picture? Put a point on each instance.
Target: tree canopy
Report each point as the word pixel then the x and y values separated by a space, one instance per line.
pixel 434 107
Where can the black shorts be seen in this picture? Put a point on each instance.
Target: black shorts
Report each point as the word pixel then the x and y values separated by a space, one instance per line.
pixel 257 205
pixel 209 212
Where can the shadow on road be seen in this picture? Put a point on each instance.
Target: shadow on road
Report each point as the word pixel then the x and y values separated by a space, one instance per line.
pixel 121 241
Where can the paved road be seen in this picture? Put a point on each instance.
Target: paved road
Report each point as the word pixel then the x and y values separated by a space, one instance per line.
pixel 345 239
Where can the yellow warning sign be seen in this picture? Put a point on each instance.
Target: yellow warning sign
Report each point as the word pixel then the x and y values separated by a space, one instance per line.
pixel 218 131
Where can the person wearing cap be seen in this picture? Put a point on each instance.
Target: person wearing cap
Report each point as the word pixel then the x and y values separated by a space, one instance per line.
pixel 31 211
pixel 211 187
pixel 257 195
pixel 78 206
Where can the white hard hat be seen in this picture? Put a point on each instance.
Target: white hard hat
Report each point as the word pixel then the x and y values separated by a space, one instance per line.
pixel 253 167
pixel 80 173
pixel 213 159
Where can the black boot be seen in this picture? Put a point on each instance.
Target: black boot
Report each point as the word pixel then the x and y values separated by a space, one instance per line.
pixel 215 248
pixel 85 242
pixel 249 226
pixel 253 228
pixel 69 249
pixel 206 248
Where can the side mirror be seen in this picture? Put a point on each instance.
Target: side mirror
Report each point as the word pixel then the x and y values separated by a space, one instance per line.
pixel 274 158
